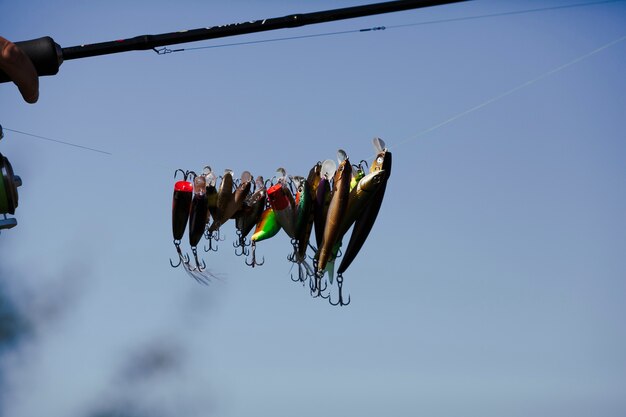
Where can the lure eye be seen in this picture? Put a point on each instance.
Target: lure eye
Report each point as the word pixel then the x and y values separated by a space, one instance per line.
pixel 379 160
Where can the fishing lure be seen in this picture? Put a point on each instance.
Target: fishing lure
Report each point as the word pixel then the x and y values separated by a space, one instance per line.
pixel 211 191
pixel 304 216
pixel 359 198
pixel 282 202
pixel 322 199
pixel 304 225
pixel 314 176
pixel 241 194
pixel 248 216
pixel 336 209
pixel 198 217
pixel 312 181
pixel 363 224
pixel 266 228
pixel 181 205
pixel 225 197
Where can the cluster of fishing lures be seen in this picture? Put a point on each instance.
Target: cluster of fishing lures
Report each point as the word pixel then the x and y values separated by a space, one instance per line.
pixel 333 198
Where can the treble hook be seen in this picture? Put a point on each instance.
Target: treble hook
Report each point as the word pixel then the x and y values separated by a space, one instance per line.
pixel 210 248
pixel 210 237
pixel 316 286
pixel 241 242
pixel 195 256
pixel 293 256
pixel 340 301
pixel 184 260
pixel 290 258
pixel 199 276
pixel 302 275
pixel 181 258
pixel 254 263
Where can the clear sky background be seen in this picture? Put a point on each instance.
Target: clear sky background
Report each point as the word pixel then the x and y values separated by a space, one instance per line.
pixel 492 284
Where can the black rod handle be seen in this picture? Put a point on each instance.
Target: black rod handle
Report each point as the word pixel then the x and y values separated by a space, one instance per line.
pixel 45 54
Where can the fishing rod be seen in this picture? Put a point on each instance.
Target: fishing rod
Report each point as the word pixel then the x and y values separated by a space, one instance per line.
pixel 47 55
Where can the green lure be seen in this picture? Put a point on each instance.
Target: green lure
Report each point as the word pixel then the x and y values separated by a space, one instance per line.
pixel 267 227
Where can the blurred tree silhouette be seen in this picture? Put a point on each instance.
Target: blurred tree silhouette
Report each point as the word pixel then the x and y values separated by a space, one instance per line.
pixel 13 325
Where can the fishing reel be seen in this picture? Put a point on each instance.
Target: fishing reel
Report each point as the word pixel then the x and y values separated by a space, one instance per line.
pixel 8 191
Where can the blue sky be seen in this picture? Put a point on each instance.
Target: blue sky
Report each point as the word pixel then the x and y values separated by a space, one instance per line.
pixel 492 284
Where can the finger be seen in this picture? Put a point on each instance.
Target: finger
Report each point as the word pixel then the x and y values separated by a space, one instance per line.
pixel 20 69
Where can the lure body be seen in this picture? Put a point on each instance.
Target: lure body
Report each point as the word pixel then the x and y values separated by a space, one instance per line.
pixel 320 209
pixel 252 210
pixel 181 204
pixel 304 205
pixel 282 202
pixel 336 212
pixel 304 218
pixel 314 177
pixel 198 212
pixel 211 192
pixel 322 197
pixel 364 222
pixel 359 198
pixel 239 198
pixel 267 226
pixel 225 196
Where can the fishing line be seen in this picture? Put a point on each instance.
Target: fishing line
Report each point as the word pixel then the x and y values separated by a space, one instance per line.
pixel 509 92
pixel 129 156
pixel 166 50
pixel 62 142
pixel 499 14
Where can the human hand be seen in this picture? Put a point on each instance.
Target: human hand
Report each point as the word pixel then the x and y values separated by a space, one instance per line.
pixel 20 69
